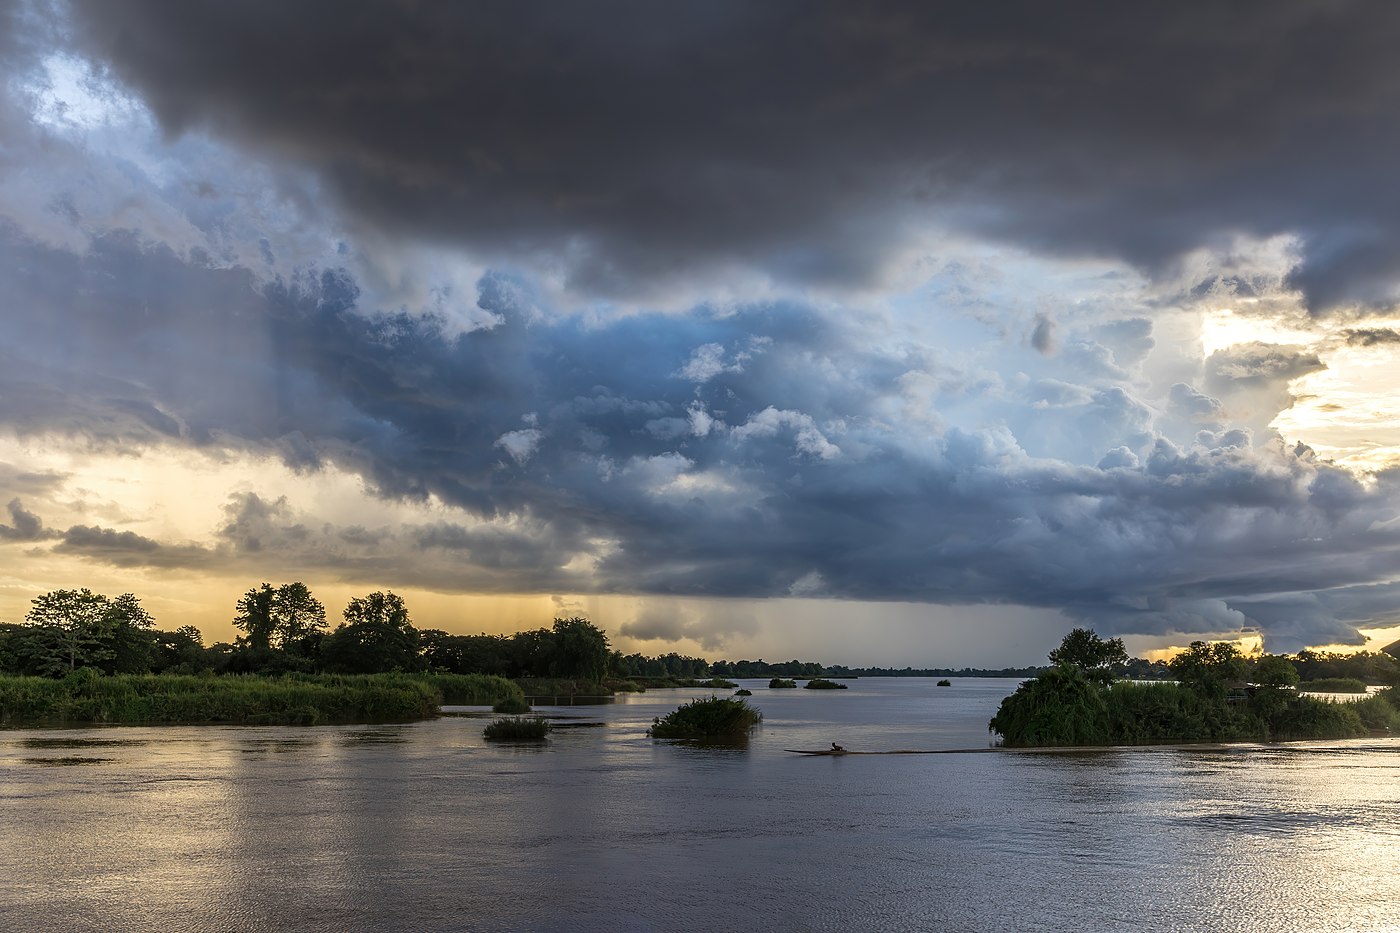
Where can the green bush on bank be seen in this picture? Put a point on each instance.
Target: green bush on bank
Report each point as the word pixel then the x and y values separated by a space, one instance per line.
pixel 717 717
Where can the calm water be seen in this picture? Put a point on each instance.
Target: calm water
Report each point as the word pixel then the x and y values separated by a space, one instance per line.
pixel 426 827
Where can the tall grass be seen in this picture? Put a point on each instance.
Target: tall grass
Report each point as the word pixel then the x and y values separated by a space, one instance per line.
pixel 1334 685
pixel 140 699
pixel 517 729
pixel 295 699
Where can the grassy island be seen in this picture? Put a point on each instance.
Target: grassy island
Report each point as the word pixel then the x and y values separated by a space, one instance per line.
pixel 1079 701
pixel 1334 685
pixel 715 718
pixel 86 696
pixel 517 729
pixel 820 684
pixel 778 683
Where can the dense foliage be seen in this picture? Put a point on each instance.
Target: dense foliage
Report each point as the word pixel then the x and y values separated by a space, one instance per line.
pixel 1074 704
pixel 778 683
pixel 717 717
pixel 820 684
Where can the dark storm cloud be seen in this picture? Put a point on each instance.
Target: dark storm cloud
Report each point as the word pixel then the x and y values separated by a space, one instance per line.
pixel 128 549
pixel 24 525
pixel 632 141
pixel 1372 336
pixel 766 468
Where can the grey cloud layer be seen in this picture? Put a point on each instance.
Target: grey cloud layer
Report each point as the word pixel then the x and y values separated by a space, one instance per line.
pixel 631 141
pixel 776 470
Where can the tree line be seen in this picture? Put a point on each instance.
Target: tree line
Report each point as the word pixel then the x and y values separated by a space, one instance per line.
pixel 284 629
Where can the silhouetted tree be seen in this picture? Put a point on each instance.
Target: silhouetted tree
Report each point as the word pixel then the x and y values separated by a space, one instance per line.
pixel 376 637
pixel 1099 658
pixel 1208 666
pixel 580 650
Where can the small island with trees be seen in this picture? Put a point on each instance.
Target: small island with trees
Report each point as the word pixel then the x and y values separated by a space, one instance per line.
pixel 1218 695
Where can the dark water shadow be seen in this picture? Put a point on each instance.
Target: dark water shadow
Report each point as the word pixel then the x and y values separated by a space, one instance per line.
pixel 84 743
pixel 727 744
pixel 373 737
pixel 560 726
pixel 64 762
pixel 259 746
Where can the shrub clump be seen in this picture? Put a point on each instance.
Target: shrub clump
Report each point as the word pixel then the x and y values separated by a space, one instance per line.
pixel 820 684
pixel 517 729
pixel 741 692
pixel 945 683
pixel 777 683
pixel 717 717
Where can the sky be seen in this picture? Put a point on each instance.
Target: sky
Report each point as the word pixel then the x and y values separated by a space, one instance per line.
pixel 891 333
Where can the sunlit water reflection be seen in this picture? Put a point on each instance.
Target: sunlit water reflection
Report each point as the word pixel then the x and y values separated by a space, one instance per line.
pixel 425 826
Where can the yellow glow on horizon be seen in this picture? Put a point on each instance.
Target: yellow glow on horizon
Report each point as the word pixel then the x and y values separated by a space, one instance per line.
pixel 1249 643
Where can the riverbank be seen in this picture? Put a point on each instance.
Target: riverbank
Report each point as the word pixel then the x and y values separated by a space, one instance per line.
pixel 86 697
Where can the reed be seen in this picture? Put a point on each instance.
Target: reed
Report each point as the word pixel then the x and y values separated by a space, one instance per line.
pixel 517 729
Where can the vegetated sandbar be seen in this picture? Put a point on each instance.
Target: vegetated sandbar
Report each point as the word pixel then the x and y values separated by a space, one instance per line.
pixel 1076 749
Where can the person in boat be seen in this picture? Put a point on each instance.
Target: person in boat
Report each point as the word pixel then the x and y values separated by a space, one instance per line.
pixel 837 748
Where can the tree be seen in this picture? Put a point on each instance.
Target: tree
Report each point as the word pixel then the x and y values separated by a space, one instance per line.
pixel 1208 666
pixel 78 623
pixel 299 619
pixel 580 650
pixel 287 618
pixel 1275 670
pixel 181 651
pixel 376 637
pixel 131 640
pixel 253 616
pixel 1097 657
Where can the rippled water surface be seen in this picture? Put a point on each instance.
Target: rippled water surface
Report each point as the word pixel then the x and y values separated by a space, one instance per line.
pixel 425 826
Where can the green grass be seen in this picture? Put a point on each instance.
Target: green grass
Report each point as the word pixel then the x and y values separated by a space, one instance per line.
pixel 148 699
pixel 777 683
pixel 517 729
pixel 86 696
pixel 820 684
pixel 1334 685
pixel 512 705
pixel 561 687
pixel 717 717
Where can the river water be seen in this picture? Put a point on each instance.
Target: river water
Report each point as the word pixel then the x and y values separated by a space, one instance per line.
pixel 425 826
